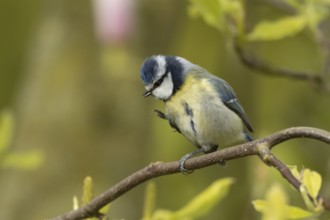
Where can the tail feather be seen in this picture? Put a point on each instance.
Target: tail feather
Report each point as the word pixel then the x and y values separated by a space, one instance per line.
pixel 248 137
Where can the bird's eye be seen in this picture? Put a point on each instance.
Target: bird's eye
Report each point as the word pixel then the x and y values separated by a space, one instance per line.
pixel 157 83
pixel 160 81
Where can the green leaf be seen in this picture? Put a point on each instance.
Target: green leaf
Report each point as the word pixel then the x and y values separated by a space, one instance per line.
pixel 209 10
pixel 6 129
pixel 275 206
pixel 75 203
pixel 277 200
pixel 23 161
pixel 294 171
pixel 233 12
pixel 292 212
pixel 206 200
pixel 276 30
pixel 149 201
pixel 260 205
pixel 312 181
pixel 162 214
pixel 298 213
pixel 309 189
pixel 104 210
pixel 315 12
pixel 225 15
pixel 87 195
pixel 200 205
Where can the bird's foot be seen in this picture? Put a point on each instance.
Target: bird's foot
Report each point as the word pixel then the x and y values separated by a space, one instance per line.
pixel 182 168
pixel 186 157
pixel 160 114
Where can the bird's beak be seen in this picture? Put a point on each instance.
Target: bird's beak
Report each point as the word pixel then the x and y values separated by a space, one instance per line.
pixel 147 93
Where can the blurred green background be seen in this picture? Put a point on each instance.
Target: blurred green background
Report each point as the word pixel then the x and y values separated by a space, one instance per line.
pixel 69 73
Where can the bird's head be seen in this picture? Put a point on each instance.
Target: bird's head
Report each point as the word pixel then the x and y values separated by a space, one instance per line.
pixel 163 76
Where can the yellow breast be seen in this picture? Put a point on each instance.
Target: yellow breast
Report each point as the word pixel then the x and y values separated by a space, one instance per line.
pixel 210 121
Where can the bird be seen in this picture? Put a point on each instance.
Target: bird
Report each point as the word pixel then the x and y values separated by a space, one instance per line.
pixel 201 106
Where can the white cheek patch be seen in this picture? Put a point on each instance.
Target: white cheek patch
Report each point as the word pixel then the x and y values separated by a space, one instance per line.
pixel 164 91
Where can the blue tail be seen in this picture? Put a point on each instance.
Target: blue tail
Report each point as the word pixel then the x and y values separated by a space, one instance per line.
pixel 248 137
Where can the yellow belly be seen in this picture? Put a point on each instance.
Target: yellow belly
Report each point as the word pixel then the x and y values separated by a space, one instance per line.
pixel 211 122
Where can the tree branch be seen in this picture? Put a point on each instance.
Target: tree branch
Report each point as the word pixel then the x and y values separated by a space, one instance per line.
pixel 260 147
pixel 253 62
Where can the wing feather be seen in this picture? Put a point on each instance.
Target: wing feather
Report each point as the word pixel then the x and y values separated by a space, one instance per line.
pixel 228 97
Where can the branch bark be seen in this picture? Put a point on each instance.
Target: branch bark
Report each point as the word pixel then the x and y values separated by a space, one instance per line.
pixel 261 147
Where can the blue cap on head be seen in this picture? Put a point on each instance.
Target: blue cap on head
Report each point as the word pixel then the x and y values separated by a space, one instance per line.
pixel 149 70
pixel 166 64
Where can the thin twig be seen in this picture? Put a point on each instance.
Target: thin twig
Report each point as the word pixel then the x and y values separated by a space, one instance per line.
pixel 285 171
pixel 160 169
pixel 255 63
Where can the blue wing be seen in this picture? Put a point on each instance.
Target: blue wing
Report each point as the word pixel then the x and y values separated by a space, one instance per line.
pixel 229 98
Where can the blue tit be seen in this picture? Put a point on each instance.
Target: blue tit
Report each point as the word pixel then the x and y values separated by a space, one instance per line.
pixel 199 105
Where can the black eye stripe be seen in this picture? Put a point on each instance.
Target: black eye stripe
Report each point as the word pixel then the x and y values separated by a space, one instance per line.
pixel 159 82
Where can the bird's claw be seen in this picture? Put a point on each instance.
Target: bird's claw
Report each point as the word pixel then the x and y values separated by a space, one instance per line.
pixel 182 168
pixel 160 114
